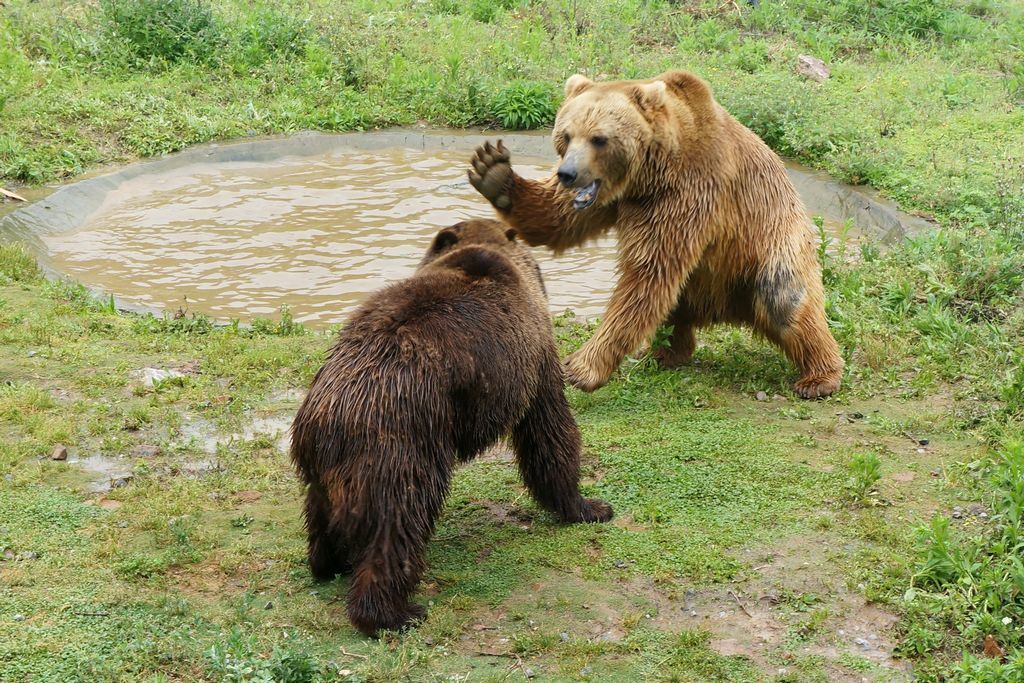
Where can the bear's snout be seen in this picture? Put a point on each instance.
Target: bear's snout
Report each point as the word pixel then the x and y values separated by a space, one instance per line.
pixel 567 174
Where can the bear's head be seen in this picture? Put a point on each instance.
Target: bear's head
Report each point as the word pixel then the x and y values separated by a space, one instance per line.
pixel 601 131
pixel 480 244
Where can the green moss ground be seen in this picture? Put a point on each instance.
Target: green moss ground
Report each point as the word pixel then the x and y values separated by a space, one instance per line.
pixel 754 540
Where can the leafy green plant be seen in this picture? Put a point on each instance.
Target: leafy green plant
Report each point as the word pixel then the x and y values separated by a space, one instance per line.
pixel 269 33
pixel 285 327
pixel 167 31
pixel 16 264
pixel 236 662
pixel 525 105
pixel 979 579
pixel 865 470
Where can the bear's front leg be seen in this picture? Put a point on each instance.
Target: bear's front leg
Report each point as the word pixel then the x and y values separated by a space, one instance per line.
pixel 654 263
pixel 547 446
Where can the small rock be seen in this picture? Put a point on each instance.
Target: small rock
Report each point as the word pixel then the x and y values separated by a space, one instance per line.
pixel 28 555
pixel 9 555
pixel 8 477
pixel 32 354
pixel 564 637
pixel 19 617
pixel 269 605
pixel 936 473
pixel 151 376
pixel 529 673
pixel 120 482
pixel 922 442
pixel 586 671
pixel 619 564
pixel 145 451
pixel 862 644
pixel 812 68
pixel 122 524
pixel 191 367
pixel 857 416
pixel 761 396
pixel 60 452
pixel 958 513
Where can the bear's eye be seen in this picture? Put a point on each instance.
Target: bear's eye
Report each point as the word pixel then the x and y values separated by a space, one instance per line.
pixel 599 141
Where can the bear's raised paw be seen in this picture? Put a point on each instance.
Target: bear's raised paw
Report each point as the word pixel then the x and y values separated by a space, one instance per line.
pixel 491 173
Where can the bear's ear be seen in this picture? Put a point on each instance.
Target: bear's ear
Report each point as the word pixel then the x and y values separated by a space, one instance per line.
pixel 576 84
pixel 511 234
pixel 444 239
pixel 650 96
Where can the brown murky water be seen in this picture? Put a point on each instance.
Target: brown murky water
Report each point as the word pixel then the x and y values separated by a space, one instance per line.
pixel 240 239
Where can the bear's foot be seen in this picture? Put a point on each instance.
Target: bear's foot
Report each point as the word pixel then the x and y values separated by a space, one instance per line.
pixel 372 622
pixel 324 563
pixel 670 359
pixel 580 373
pixel 816 386
pixel 595 510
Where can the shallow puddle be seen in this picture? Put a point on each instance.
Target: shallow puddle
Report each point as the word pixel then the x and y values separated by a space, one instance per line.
pixel 316 223
pixel 104 472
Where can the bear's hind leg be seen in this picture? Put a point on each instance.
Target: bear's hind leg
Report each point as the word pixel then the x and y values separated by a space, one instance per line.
pixel 390 542
pixel 547 446
pixel 327 553
pixel 683 340
pixel 790 311
pixel 811 346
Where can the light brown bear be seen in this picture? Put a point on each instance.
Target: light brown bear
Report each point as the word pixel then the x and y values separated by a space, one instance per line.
pixel 710 229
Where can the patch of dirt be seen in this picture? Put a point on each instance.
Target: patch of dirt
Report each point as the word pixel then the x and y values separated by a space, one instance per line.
pixel 791 604
pixel 771 615
pixel 500 452
pixel 507 513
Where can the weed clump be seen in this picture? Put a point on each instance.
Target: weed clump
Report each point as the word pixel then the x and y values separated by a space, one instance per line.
pixel 525 105
pixel 976 583
pixel 865 470
pixel 17 265
pixel 161 31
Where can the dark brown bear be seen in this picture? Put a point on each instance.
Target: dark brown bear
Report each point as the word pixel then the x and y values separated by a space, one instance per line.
pixel 429 372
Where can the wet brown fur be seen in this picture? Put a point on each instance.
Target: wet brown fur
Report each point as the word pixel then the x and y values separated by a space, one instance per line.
pixel 429 372
pixel 710 228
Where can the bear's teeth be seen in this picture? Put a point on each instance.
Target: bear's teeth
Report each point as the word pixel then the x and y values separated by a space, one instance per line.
pixel 585 196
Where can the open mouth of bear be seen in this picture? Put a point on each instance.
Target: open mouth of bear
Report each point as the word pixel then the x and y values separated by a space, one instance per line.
pixel 586 195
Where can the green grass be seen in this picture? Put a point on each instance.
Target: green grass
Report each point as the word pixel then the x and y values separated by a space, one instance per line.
pixel 197 572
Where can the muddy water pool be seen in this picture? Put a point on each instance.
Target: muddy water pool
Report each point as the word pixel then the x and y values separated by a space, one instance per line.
pixel 239 235
pixel 241 239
